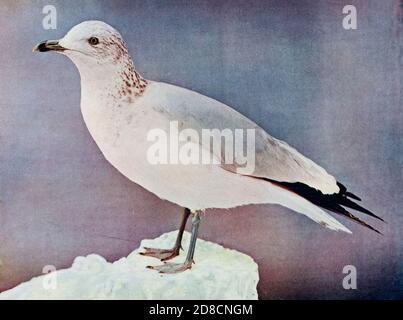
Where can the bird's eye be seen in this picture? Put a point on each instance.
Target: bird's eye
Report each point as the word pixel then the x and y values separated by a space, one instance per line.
pixel 93 41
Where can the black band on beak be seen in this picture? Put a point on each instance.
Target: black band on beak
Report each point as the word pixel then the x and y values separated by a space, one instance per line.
pixel 50 45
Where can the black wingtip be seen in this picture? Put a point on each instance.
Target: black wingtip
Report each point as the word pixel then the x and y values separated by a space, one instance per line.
pixel 333 202
pixel 352 195
pixel 350 204
pixel 340 210
pixel 344 201
pixel 343 190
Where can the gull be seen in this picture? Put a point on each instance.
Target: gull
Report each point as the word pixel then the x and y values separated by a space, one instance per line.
pixel 120 107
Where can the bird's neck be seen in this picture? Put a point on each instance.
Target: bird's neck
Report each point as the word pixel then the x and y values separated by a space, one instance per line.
pixel 117 81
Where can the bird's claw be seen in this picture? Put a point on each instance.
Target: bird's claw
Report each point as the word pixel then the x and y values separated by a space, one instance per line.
pixel 170 268
pixel 162 254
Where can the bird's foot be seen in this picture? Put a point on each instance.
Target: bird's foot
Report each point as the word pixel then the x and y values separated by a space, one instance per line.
pixel 162 254
pixel 170 268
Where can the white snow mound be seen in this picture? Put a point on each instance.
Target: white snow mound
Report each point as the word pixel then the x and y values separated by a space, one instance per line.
pixel 218 273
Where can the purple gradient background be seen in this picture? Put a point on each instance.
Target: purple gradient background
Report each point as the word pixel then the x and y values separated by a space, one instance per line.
pixel 288 65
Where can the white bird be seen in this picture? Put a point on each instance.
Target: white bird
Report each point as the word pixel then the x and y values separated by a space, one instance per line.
pixel 120 108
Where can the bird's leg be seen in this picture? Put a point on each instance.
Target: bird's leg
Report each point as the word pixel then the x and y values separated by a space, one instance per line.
pixel 179 267
pixel 166 254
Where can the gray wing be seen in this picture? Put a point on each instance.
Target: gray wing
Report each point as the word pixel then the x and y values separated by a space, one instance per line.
pixel 274 159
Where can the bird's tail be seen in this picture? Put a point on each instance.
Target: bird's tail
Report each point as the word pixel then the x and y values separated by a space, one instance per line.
pixel 278 194
pixel 333 202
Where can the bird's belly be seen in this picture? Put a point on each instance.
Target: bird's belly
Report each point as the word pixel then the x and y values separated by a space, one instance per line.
pixel 191 186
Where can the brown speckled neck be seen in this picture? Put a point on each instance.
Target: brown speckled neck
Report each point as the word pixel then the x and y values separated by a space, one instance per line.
pixel 132 84
pixel 113 72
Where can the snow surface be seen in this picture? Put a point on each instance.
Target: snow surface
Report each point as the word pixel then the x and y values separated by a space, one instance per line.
pixel 219 273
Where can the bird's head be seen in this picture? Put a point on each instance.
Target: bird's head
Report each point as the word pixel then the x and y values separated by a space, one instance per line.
pixel 102 58
pixel 89 44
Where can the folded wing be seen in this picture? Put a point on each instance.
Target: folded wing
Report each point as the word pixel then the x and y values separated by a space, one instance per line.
pixel 275 161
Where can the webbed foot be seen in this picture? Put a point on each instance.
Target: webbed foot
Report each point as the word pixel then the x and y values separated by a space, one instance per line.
pixel 162 254
pixel 170 268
